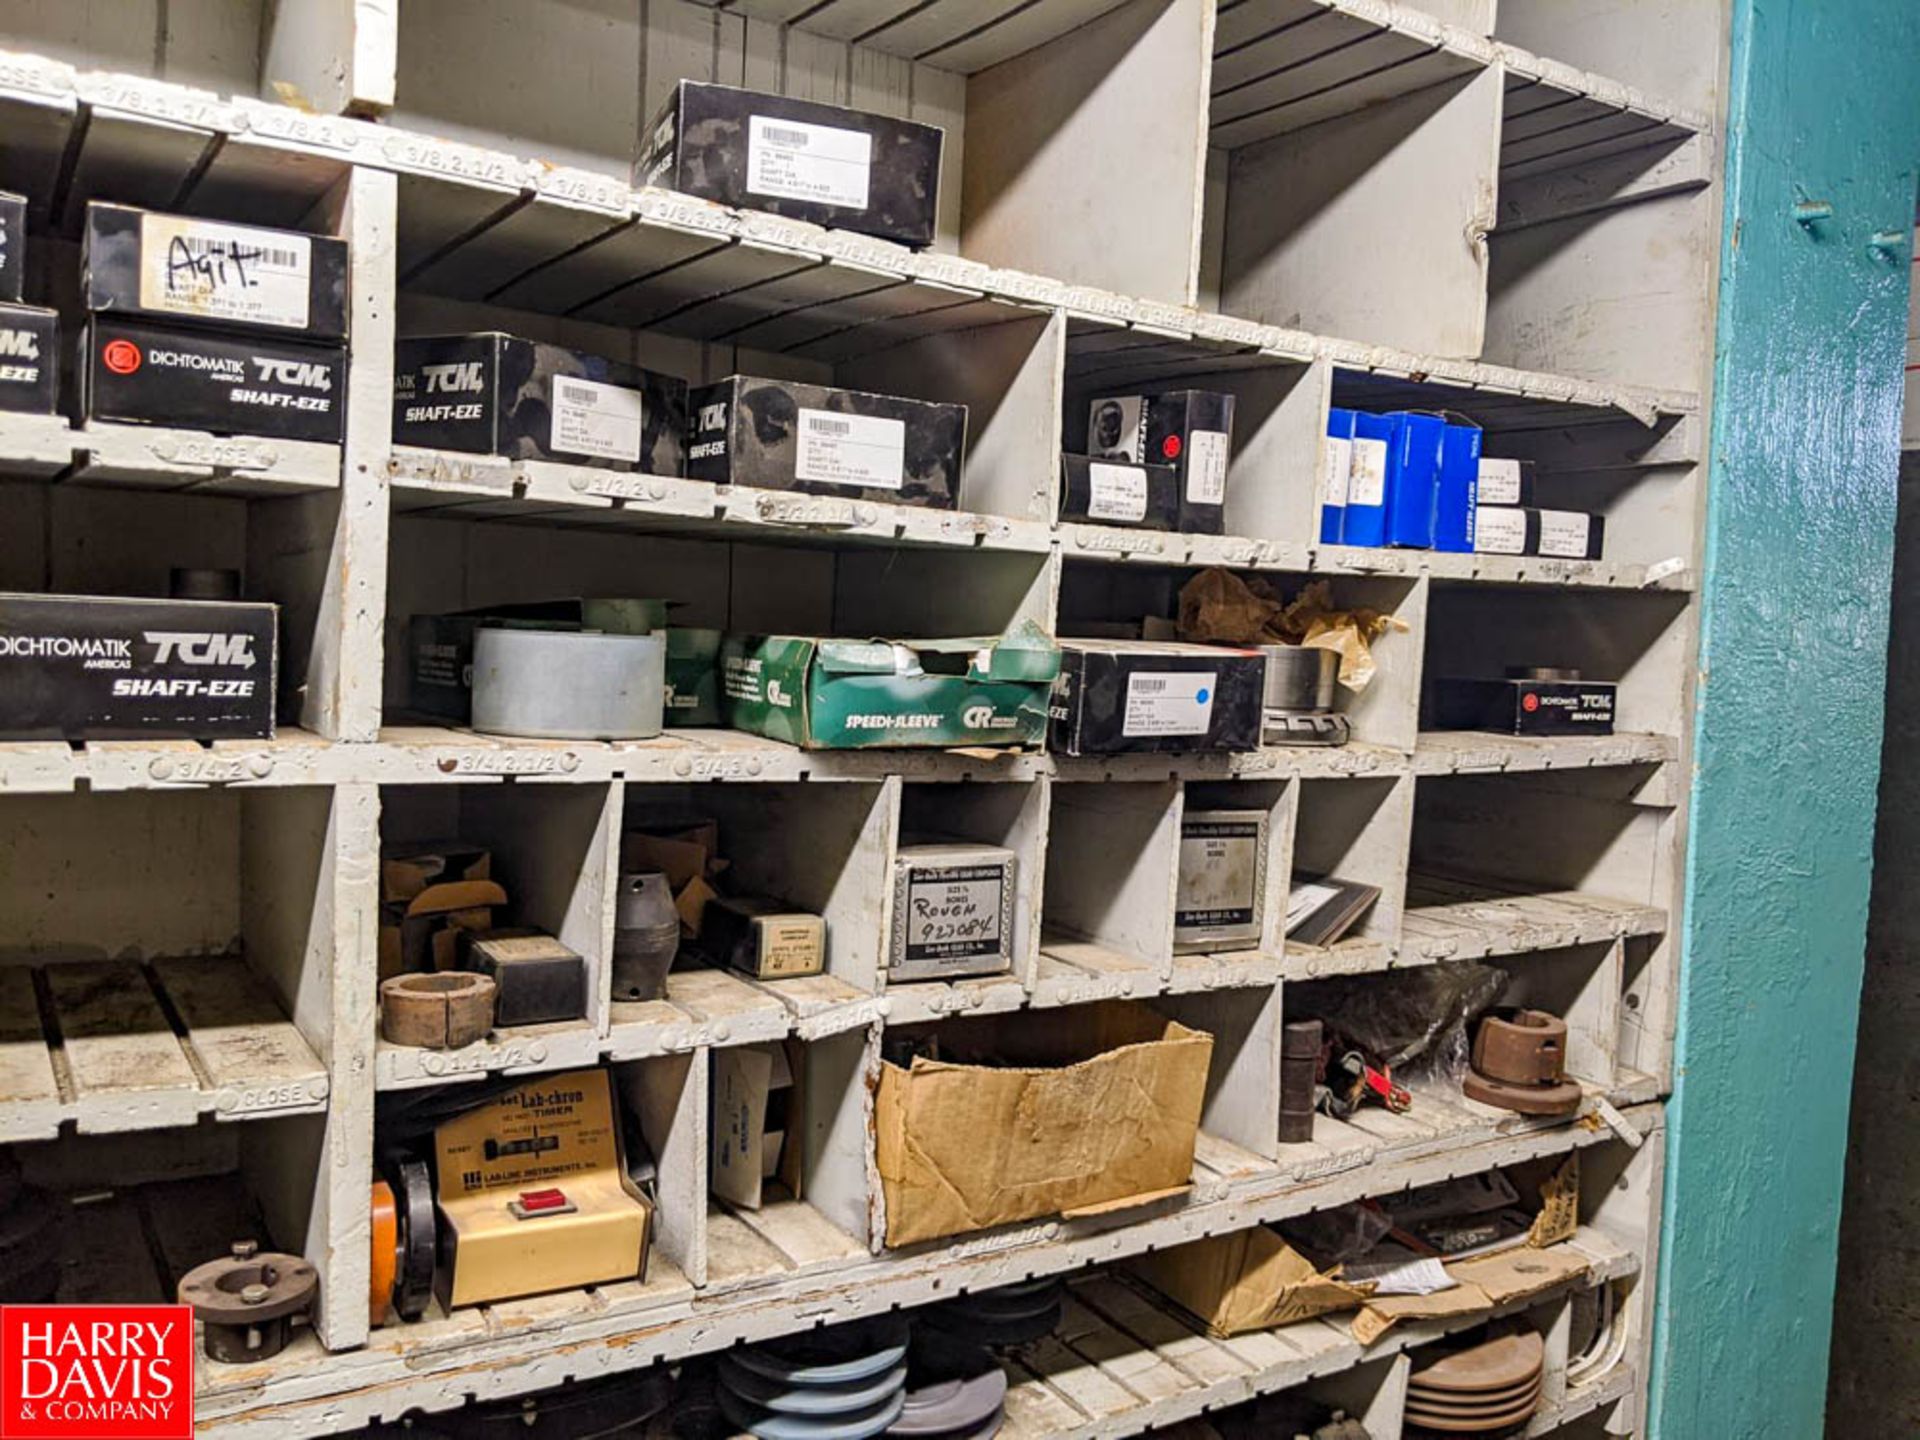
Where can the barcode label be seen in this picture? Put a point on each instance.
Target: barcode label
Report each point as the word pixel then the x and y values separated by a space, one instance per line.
pixel 589 418
pixel 233 273
pixel 1169 703
pixel 858 451
pixel 820 163
pixel 273 255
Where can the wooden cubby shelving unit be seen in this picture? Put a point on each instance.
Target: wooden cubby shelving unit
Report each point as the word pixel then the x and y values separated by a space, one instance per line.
pixel 1307 202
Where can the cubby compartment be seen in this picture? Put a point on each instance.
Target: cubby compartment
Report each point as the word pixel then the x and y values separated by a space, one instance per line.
pixel 1595 268
pixel 124 543
pixel 552 849
pixel 1353 830
pixel 1582 986
pixel 200 983
pixel 1108 599
pixel 132 1214
pixel 660 1111
pixel 323 56
pixel 1611 38
pixel 1001 361
pixel 1112 858
pixel 1279 417
pixel 1505 864
pixel 1636 471
pixel 1240 1117
pixel 822 1222
pixel 1234 868
pixel 1646 1017
pixel 813 586
pixel 1007 814
pixel 823 849
pixel 1640 642
pixel 1328 130
pixel 1013 191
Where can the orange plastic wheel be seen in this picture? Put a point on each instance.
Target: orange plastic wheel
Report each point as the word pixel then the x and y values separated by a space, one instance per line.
pixel 386 1252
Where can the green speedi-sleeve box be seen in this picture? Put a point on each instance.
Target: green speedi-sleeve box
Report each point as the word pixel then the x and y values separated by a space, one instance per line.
pixel 852 694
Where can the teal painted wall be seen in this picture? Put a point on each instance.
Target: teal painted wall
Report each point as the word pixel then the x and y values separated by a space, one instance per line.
pixel 1823 105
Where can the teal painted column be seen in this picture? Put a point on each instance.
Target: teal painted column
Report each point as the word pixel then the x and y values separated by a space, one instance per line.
pixel 1823 115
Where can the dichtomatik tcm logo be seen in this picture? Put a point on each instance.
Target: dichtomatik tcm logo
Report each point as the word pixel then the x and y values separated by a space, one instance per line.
pixel 96 1372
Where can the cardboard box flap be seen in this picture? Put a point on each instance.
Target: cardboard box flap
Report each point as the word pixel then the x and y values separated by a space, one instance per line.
pixel 1071 1035
pixel 404 873
pixel 1485 1281
pixel 855 657
pixel 963 1147
pixel 456 895
pixel 1125 1202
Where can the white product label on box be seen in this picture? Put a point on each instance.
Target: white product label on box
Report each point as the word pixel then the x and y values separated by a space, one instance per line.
pixel 224 272
pixel 1499 482
pixel 1168 703
pixel 1564 533
pixel 954 912
pixel 808 162
pixel 1116 492
pixel 836 449
pixel 1498 530
pixel 1339 469
pixel 1367 478
pixel 1218 872
pixel 590 418
pixel 1206 467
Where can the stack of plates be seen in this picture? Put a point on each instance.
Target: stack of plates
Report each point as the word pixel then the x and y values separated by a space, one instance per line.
pixel 846 1383
pixel 955 1391
pixel 1481 1390
pixel 1010 1315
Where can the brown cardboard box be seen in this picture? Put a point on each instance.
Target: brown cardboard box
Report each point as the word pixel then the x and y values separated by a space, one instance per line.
pixel 1085 1109
pixel 1253 1279
pixel 1249 1280
pixel 495 1163
pixel 428 894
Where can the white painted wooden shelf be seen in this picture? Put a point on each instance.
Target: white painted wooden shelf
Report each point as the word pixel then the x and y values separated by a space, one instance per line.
pixel 1504 212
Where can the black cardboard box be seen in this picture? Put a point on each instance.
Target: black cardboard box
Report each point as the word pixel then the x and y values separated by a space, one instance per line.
pixel 86 667
pixel 181 269
pixel 29 359
pixel 237 384
pixel 847 169
pixel 13 245
pixel 1524 530
pixel 496 394
pixel 1135 696
pixel 1114 492
pixel 784 435
pixel 1525 707
pixel 1191 430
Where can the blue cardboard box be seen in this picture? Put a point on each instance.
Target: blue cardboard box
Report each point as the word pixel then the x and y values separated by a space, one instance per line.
pixel 1333 498
pixel 1413 479
pixel 1364 521
pixel 1453 515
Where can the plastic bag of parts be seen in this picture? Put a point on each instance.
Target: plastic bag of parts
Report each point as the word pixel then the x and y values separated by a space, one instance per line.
pixel 1336 1236
pixel 1218 607
pixel 1413 1022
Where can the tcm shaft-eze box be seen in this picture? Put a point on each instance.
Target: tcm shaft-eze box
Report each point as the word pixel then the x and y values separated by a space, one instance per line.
pixel 845 169
pixel 238 384
pixel 496 394
pixel 83 667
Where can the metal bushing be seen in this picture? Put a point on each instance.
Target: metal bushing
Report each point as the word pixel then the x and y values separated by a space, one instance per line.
pixel 1521 1047
pixel 418 1237
pixel 1300 1044
pixel 441 1011
pixel 248 1301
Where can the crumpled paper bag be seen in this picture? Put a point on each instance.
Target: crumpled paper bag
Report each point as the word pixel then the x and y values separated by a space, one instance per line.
pixel 1218 607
